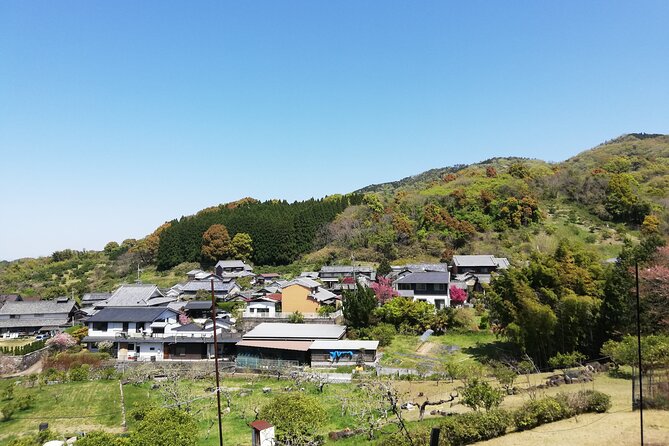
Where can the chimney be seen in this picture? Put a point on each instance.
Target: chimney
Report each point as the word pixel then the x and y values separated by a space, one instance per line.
pixel 263 433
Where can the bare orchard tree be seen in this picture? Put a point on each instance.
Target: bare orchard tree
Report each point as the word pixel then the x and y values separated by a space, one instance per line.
pixel 378 403
pixel 319 380
pixel 422 406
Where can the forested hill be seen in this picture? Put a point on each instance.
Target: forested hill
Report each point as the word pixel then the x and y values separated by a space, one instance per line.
pixel 279 231
pixel 511 207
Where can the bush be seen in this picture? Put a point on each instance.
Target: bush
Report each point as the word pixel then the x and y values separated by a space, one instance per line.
pixel 7 411
pixel 80 373
pixel 479 394
pixel 25 402
pixel 474 427
pixel 538 412
pixel 296 318
pixel 384 333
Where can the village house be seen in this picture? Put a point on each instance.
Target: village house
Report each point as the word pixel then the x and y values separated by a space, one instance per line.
pixel 223 288
pixel 233 268
pixel 154 334
pixel 18 318
pixel 135 295
pixel 9 298
pixel 426 286
pixel 477 264
pixel 335 274
pixel 306 296
pixel 267 305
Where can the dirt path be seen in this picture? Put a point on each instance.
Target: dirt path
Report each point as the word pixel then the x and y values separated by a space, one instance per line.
pixel 425 348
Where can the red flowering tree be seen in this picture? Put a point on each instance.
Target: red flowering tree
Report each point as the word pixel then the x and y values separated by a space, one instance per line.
pixel 458 295
pixel 383 289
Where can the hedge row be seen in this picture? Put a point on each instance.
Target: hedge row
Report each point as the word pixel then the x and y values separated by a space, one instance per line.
pixel 469 428
pixel 23 349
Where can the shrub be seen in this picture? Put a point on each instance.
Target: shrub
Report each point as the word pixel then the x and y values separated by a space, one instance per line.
pixel 296 318
pixel 474 427
pixel 80 373
pixel 479 394
pixel 7 411
pixel 97 438
pixel 538 412
pixel 25 402
pixel 297 418
pixel 384 333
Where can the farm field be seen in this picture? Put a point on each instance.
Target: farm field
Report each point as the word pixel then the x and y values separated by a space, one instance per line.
pixel 16 342
pixel 85 406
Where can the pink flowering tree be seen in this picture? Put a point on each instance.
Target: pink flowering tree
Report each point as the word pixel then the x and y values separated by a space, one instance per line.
pixel 62 341
pixel 383 289
pixel 458 296
pixel 183 317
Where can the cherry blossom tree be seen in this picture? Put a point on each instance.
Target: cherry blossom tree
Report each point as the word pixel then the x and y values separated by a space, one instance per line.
pixel 383 289
pixel 62 341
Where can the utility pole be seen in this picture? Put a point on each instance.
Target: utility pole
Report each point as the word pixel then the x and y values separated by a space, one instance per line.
pixel 218 380
pixel 638 338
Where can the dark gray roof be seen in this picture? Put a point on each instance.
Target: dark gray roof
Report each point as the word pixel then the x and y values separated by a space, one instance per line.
pixel 425 277
pixel 191 327
pixel 198 305
pixel 34 322
pixel 38 307
pixel 233 264
pixel 129 314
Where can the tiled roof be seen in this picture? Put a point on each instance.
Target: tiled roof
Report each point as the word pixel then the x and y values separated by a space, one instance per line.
pixel 38 307
pixel 132 295
pixel 346 269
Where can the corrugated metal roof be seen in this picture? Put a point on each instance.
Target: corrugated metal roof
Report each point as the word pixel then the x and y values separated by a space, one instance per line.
pixel 345 344
pixel 268 330
pixel 300 346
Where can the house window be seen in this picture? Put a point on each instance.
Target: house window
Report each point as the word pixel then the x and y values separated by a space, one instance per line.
pixel 439 303
pixel 131 346
pixel 100 326
pixel 39 314
pixel 439 286
pixel 13 316
pixel 152 348
pixel 181 350
pixel 125 326
pixel 421 287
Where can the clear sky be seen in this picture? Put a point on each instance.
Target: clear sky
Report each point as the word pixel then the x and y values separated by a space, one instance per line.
pixel 117 116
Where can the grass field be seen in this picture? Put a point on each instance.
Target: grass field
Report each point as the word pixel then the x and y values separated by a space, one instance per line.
pixel 86 406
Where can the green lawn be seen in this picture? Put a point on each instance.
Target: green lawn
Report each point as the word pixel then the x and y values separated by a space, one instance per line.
pixel 406 351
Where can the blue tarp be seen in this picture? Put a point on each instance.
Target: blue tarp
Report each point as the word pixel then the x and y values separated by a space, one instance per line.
pixel 335 355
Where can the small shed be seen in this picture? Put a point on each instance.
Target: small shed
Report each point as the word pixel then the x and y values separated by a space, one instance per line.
pixel 263 433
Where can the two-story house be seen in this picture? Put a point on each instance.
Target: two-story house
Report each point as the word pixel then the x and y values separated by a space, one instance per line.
pixel 333 275
pixel 427 286
pixel 306 296
pixel 29 317
pixel 153 334
pixel 477 264
pixel 233 268
pixel 223 287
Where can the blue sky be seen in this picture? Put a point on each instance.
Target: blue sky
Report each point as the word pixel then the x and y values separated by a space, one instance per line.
pixel 118 116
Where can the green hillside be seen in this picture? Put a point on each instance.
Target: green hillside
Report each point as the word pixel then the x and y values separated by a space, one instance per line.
pixel 507 206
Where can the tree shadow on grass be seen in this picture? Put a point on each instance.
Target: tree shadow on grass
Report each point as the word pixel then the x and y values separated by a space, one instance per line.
pixel 496 350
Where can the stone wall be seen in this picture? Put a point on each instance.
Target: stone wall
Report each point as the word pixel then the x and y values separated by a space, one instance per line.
pixel 14 364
